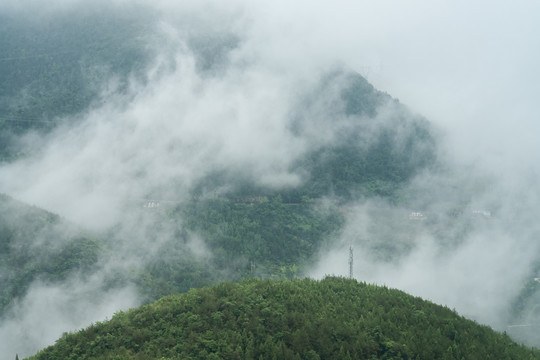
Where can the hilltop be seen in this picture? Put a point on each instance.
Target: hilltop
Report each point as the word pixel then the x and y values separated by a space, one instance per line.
pixel 335 318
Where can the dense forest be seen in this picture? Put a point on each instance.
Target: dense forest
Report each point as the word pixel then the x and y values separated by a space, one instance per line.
pixel 335 318
pixel 53 68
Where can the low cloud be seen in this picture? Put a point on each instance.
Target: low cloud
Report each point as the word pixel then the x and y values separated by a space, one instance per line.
pixel 48 311
pixel 468 242
pixel 470 69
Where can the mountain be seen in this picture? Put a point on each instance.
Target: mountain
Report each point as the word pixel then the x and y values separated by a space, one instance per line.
pixel 362 144
pixel 335 318
pixel 208 163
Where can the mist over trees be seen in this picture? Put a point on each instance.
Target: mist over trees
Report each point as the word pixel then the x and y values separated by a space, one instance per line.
pixel 150 149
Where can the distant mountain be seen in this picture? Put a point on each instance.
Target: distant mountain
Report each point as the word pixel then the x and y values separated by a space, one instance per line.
pixel 363 144
pixel 263 231
pixel 334 318
pixel 378 143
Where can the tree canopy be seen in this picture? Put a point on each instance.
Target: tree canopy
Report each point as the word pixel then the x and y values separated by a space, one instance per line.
pixel 334 318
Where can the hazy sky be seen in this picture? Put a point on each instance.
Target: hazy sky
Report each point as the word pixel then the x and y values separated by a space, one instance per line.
pixel 471 67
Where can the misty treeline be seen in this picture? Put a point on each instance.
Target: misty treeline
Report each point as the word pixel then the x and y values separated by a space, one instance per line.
pixel 226 222
pixel 251 230
pixel 38 245
pixel 54 67
pixel 334 318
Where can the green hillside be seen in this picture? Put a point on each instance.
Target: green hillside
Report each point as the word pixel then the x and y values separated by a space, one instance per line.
pixel 334 318
pixel 54 66
pixel 38 245
pixel 57 66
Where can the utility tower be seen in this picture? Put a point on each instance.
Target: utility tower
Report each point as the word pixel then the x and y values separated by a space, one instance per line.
pixel 350 262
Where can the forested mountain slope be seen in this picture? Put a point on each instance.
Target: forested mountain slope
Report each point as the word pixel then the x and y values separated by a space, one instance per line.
pixel 334 318
pixel 36 245
pixel 363 144
pixel 56 67
pixel 53 67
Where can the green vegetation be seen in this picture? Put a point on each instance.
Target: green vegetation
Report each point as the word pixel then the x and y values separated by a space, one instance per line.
pixel 371 154
pixel 237 238
pixel 58 66
pixel 54 67
pixel 38 245
pixel 264 238
pixel 268 232
pixel 55 70
pixel 334 318
pixel 525 310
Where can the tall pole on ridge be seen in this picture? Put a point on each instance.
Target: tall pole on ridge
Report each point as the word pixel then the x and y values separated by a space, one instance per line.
pixel 350 262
